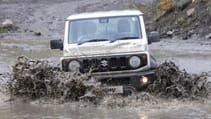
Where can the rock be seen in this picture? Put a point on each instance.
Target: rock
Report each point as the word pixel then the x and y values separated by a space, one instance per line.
pixel 7 23
pixel 182 4
pixel 170 33
pixel 190 33
pixel 196 24
pixel 190 12
pixel 208 36
pixel 37 33
pixel 185 37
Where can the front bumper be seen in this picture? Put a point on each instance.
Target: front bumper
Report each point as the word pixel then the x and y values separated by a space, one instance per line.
pixel 124 75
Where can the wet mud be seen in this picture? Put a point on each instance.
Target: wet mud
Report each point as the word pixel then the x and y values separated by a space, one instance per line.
pixel 35 79
pixel 174 83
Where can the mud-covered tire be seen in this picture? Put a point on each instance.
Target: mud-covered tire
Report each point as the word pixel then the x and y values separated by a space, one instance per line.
pixel 128 90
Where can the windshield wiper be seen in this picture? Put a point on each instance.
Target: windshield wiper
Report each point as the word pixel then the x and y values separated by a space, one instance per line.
pixel 92 40
pixel 124 38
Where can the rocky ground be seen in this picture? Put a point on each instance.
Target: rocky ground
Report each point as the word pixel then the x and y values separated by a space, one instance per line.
pixel 44 19
pixel 32 19
pixel 186 20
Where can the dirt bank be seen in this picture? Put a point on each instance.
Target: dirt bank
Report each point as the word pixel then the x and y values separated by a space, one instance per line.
pixel 187 20
pixel 184 18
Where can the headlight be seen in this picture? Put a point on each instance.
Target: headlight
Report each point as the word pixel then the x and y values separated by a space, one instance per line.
pixel 144 79
pixel 134 61
pixel 74 65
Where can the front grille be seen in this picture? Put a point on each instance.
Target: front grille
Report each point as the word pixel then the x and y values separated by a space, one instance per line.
pixel 105 64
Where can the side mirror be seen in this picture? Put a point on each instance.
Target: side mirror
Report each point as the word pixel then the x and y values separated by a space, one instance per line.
pixel 56 44
pixel 153 36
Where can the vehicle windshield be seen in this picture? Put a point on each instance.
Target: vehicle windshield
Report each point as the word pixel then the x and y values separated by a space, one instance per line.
pixel 104 29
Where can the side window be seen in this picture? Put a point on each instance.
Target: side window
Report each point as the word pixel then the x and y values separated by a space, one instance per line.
pixel 74 31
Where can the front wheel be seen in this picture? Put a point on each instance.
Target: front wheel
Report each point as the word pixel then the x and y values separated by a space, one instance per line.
pixel 128 90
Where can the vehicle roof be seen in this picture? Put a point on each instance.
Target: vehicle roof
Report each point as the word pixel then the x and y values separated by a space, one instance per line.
pixel 104 14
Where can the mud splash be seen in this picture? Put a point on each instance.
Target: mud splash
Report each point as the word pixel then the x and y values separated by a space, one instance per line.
pixel 35 79
pixel 172 82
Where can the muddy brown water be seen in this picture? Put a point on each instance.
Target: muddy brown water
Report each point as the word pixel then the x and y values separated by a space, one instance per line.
pixel 193 56
pixel 167 110
pixel 67 111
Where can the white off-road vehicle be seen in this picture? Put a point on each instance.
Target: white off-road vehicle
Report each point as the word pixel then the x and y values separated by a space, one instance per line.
pixel 112 45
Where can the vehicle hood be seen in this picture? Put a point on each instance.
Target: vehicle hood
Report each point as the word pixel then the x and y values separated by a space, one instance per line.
pixel 104 48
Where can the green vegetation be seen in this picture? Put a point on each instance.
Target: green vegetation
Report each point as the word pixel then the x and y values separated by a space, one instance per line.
pixel 181 20
pixel 185 22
